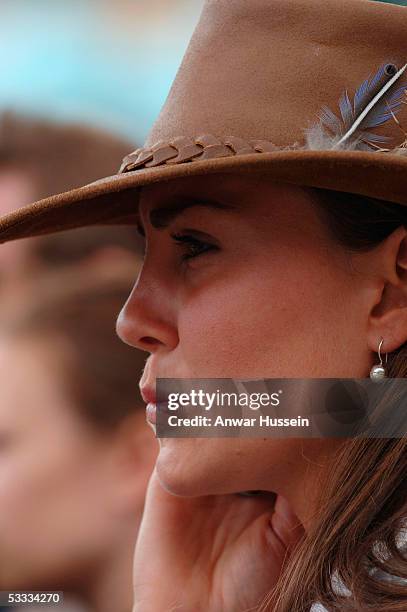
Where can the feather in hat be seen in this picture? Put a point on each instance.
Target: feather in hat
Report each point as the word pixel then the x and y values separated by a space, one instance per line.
pixel 377 100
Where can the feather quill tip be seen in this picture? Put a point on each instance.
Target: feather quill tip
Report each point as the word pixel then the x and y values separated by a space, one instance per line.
pixel 319 139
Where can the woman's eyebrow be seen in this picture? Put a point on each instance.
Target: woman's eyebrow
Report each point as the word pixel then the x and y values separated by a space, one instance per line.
pixel 163 216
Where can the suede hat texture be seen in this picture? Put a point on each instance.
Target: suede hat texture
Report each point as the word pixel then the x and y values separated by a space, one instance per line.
pixel 311 92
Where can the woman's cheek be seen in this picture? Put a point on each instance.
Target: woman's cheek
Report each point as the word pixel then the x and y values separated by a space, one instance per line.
pixel 219 336
pixel 255 323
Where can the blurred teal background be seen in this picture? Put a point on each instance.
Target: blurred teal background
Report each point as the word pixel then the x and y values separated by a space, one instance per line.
pixel 106 62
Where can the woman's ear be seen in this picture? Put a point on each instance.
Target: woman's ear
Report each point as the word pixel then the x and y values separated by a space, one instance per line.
pixel 388 317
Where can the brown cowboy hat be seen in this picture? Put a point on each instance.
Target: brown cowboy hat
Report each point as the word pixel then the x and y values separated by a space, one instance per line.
pixel 312 92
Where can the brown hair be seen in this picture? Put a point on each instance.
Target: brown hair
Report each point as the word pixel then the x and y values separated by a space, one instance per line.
pixel 78 308
pixel 57 157
pixel 356 540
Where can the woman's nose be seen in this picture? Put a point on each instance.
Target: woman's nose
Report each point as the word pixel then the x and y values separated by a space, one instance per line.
pixel 144 321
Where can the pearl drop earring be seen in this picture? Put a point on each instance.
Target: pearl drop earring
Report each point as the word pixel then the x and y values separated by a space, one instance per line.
pixel 378 372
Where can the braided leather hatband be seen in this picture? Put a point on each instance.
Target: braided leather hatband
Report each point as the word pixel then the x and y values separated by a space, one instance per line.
pixel 183 149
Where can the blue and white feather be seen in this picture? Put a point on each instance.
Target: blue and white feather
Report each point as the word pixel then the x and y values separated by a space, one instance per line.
pixel 377 100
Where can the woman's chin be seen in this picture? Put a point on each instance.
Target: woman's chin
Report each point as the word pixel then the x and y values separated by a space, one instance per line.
pixel 191 467
pixel 177 470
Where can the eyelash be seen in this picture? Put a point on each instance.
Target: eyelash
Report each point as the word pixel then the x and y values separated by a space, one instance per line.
pixel 191 242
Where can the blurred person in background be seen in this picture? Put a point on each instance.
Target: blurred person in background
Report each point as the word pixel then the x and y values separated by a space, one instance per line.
pixel 75 451
pixel 38 157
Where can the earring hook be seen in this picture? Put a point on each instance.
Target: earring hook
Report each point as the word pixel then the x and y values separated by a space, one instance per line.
pixel 379 352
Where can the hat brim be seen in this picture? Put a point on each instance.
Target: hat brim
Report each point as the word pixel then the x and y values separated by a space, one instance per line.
pixel 114 200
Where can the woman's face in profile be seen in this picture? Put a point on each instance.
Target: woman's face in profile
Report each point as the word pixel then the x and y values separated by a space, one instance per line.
pixel 241 278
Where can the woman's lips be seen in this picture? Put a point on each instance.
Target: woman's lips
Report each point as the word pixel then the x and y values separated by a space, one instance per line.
pixel 151 412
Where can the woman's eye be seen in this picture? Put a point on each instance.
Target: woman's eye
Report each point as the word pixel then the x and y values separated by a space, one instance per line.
pixel 192 246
